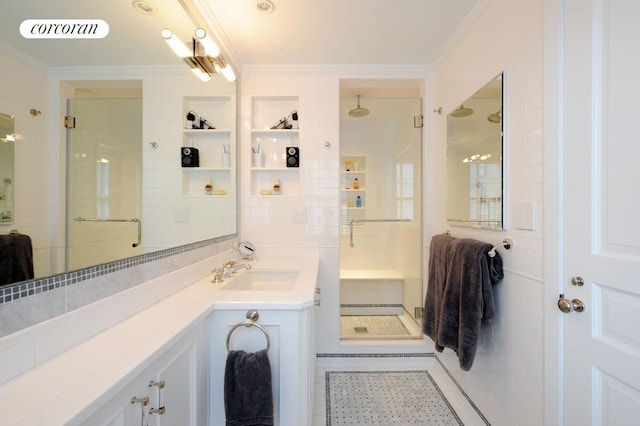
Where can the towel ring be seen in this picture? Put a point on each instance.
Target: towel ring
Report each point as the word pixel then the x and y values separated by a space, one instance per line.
pixel 251 321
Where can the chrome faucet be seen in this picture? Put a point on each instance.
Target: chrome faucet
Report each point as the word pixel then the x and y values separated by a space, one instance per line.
pixel 230 267
pixel 227 269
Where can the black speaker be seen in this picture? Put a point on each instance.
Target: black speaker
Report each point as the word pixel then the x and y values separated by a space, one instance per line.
pixel 293 156
pixel 190 156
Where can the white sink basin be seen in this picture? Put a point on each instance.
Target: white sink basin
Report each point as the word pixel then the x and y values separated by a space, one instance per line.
pixel 263 280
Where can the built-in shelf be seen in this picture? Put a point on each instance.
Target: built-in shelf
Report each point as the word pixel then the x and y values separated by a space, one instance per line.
pixel 269 146
pixel 352 167
pixel 215 146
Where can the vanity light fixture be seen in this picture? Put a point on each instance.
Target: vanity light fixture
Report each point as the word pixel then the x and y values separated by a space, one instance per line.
pixel 204 56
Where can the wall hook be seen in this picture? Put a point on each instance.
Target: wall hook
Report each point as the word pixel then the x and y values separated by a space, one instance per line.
pixel 438 110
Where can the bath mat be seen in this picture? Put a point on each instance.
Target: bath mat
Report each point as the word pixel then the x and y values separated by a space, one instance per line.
pixel 382 398
pixel 372 325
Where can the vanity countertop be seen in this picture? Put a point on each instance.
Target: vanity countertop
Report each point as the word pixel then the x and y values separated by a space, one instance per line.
pixel 72 385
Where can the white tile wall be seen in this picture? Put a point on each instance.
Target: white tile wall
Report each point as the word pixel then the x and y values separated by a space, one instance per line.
pixel 35 194
pixel 506 379
pixel 507 37
pixel 267 221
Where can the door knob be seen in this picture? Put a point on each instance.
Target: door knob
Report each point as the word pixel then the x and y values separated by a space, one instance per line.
pixel 566 305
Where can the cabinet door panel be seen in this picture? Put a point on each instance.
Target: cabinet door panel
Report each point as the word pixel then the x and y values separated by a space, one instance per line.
pixel 119 411
pixel 182 369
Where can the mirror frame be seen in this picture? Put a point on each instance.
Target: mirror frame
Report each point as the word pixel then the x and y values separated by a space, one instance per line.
pixel 471 136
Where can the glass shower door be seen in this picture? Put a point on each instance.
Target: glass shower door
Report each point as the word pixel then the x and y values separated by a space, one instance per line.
pixel 380 216
pixel 104 181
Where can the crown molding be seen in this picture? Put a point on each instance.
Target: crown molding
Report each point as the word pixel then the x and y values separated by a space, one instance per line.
pixel 115 71
pixel 21 57
pixel 463 29
pixel 359 71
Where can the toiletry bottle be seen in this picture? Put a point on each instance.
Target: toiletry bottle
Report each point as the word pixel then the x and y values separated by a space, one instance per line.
pixel 358 201
pixel 356 184
pixel 276 186
pixel 208 187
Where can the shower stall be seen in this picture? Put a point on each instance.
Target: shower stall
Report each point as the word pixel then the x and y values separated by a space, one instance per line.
pixel 380 215
pixel 104 180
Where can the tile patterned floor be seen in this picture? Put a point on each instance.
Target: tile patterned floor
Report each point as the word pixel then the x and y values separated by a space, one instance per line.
pixel 467 413
pixel 381 398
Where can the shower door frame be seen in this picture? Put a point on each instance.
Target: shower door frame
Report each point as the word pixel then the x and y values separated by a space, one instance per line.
pixel 410 307
pixel 118 228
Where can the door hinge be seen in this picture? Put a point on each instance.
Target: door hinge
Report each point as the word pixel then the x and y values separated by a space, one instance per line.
pixel 69 122
pixel 418 121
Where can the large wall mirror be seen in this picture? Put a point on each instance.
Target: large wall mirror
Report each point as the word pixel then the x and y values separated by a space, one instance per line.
pixel 474 159
pixel 129 190
pixel 6 168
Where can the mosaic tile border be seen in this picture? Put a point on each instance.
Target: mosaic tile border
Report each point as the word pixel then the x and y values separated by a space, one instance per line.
pixel 369 305
pixel 455 382
pixel 440 411
pixel 30 288
pixel 367 355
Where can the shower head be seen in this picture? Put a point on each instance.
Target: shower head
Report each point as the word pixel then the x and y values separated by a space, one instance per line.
pixel 496 117
pixel 461 112
pixel 358 111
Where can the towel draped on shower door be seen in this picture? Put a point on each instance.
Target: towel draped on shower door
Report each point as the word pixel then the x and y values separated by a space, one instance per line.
pixel 460 294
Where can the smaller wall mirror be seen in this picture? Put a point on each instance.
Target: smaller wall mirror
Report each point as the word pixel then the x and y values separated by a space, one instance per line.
pixel 6 168
pixel 474 159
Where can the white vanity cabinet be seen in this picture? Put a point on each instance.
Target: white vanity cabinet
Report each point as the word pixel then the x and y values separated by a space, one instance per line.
pixel 181 340
pixel 291 357
pixel 175 380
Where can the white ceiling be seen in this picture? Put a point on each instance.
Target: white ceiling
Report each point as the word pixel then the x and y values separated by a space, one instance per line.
pixel 405 32
pixel 297 32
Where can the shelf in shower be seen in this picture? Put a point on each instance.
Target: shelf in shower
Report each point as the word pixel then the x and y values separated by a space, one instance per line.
pixel 370 274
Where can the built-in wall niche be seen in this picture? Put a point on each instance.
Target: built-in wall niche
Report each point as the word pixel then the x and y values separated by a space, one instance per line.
pixel 209 127
pixel 353 188
pixel 274 130
pixel 474 159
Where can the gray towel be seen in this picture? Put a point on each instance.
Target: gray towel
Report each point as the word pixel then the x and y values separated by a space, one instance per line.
pixel 468 297
pixel 438 252
pixel 16 258
pixel 248 397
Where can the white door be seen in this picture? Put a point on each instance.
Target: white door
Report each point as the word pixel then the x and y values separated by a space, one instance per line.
pixel 601 163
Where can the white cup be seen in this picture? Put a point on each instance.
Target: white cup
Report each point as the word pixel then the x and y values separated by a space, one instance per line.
pixel 258 159
pixel 226 161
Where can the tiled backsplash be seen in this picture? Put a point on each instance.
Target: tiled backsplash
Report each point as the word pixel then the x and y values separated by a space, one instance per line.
pixel 30 288
pixel 28 303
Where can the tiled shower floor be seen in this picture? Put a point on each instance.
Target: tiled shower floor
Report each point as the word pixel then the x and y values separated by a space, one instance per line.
pixel 399 362
pixel 377 326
